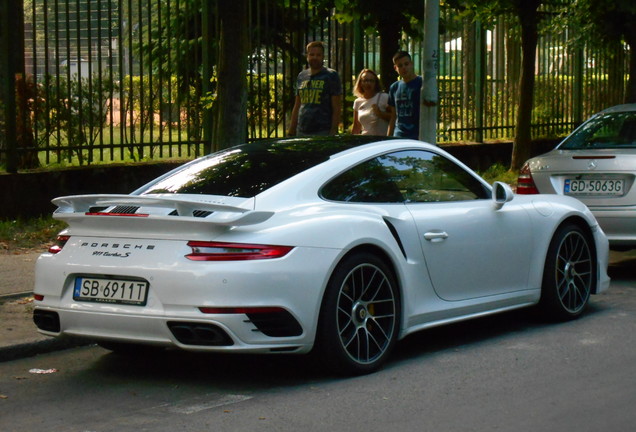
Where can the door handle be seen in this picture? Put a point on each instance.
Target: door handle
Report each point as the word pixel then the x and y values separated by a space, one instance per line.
pixel 436 236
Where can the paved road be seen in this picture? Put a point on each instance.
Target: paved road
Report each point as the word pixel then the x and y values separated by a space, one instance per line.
pixel 508 372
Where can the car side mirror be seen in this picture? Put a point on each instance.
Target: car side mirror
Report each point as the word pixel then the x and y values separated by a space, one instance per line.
pixel 501 194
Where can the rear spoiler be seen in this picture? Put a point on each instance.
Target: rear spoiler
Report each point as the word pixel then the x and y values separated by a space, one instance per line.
pixel 80 206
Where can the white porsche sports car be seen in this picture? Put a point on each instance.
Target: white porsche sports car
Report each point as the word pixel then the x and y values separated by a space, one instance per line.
pixel 342 245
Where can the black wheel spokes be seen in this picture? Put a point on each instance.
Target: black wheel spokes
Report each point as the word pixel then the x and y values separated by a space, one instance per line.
pixel 366 313
pixel 574 272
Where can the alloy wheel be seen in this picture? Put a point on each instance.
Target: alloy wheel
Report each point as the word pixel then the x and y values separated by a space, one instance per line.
pixel 573 275
pixel 366 313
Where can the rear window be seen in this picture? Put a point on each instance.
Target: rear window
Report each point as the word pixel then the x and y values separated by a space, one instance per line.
pixel 606 131
pixel 247 170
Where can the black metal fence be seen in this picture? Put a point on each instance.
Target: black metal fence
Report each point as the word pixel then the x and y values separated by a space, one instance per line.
pixel 122 80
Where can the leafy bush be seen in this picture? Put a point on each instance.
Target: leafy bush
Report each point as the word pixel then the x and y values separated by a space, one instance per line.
pixel 501 173
pixel 29 233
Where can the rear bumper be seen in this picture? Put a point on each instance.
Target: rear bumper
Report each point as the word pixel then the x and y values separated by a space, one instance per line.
pixel 179 294
pixel 156 330
pixel 619 225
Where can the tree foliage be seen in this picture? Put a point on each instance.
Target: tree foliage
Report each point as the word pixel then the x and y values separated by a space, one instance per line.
pixel 529 14
pixel 607 24
pixel 390 21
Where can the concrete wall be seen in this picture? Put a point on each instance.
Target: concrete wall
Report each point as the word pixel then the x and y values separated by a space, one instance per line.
pixel 27 195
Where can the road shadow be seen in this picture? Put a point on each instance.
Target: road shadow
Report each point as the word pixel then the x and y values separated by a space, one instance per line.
pixel 227 372
pixel 240 372
pixel 244 373
pixel 622 265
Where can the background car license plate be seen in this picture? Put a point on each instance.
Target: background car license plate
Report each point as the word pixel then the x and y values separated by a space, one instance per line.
pixel 107 290
pixel 593 187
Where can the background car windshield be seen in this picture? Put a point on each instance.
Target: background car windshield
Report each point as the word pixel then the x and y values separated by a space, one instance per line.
pixel 405 176
pixel 607 131
pixel 247 170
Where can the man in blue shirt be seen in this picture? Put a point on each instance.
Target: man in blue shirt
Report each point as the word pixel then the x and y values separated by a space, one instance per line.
pixel 404 99
pixel 318 106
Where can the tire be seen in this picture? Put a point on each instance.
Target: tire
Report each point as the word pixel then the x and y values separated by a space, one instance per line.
pixel 569 274
pixel 360 316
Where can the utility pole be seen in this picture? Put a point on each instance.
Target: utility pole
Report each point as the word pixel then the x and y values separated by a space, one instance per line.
pixel 430 65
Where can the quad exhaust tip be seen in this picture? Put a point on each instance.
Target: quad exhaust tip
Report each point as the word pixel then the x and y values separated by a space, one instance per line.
pixel 199 334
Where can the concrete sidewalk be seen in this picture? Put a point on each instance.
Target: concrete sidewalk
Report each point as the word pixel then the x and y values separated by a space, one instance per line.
pixel 18 335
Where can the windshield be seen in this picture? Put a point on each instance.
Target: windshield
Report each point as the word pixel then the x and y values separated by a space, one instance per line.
pixel 606 131
pixel 247 170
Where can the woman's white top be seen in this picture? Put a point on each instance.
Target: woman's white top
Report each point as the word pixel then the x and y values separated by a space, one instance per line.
pixel 371 123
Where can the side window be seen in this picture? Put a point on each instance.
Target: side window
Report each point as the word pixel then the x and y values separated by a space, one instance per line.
pixel 406 176
pixel 369 182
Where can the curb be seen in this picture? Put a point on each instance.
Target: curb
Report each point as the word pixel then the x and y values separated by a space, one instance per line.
pixel 13 296
pixel 36 344
pixel 30 349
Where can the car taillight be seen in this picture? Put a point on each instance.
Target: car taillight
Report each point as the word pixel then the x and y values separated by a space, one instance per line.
pixel 59 244
pixel 525 182
pixel 220 251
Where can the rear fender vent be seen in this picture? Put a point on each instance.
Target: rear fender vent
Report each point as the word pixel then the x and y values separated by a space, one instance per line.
pixel 395 235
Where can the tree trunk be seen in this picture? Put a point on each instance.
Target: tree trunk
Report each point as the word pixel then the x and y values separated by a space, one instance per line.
pixel 389 44
pixel 231 124
pixel 529 35
pixel 615 70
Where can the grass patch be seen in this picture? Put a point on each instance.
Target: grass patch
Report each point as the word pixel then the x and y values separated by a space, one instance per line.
pixel 29 234
pixel 501 173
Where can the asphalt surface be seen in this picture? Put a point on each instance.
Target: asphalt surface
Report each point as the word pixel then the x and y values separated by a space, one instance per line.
pixel 18 335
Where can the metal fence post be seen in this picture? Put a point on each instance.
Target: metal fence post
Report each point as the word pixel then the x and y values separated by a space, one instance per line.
pixel 577 87
pixel 480 79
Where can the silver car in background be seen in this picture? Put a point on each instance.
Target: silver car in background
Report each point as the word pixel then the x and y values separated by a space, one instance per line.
pixel 596 164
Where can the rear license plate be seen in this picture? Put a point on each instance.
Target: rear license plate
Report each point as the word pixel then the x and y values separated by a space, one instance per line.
pixel 593 187
pixel 108 290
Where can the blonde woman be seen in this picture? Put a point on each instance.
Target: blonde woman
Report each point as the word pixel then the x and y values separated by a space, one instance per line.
pixel 370 116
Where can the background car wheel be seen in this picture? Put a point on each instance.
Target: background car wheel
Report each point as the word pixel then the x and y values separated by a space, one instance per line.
pixel 569 274
pixel 360 316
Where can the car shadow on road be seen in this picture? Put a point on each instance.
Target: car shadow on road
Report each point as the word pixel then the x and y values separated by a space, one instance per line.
pixel 623 268
pixel 234 372
pixel 248 373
